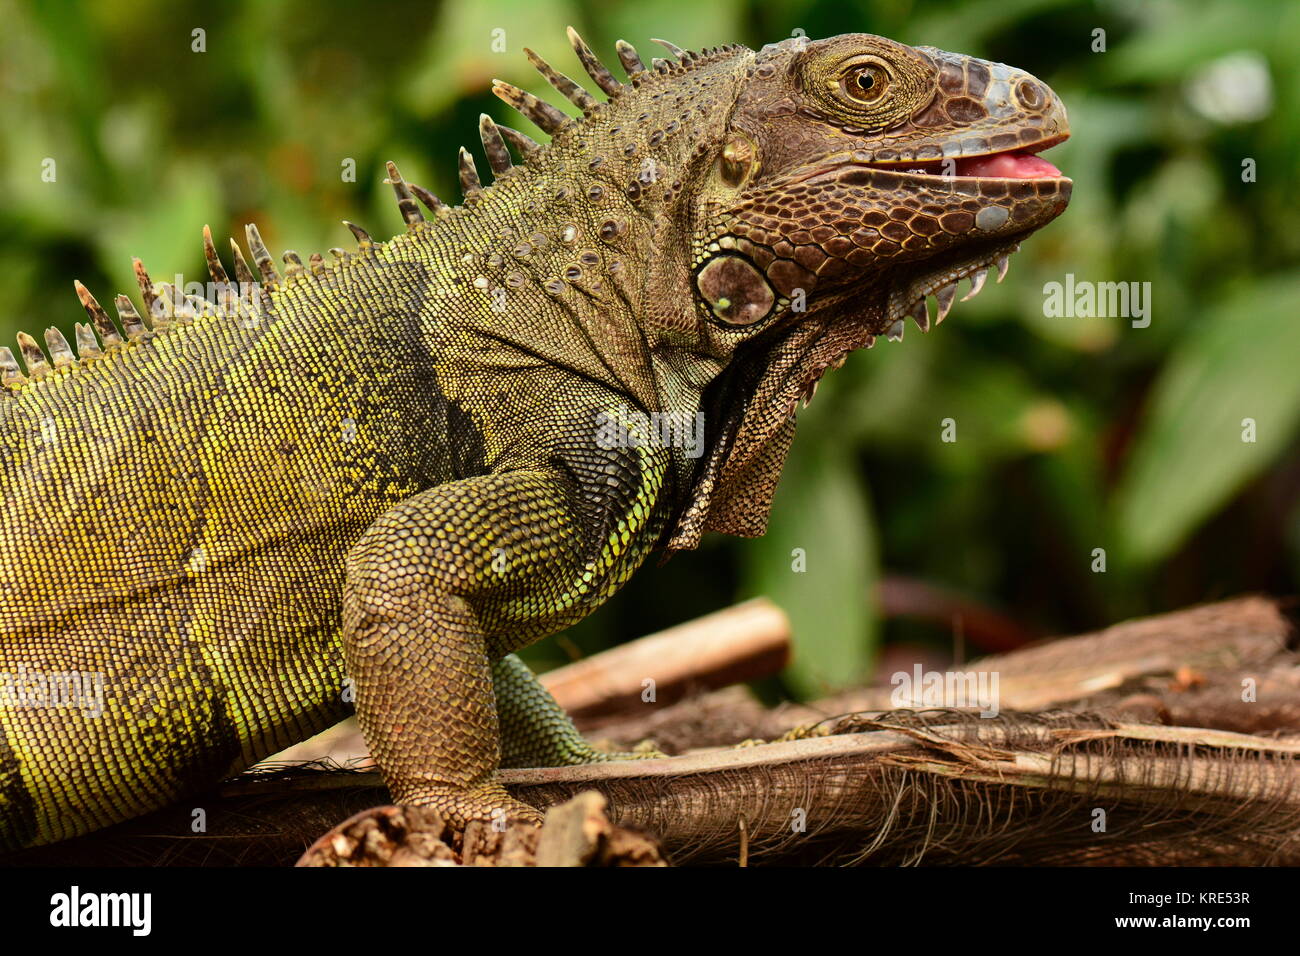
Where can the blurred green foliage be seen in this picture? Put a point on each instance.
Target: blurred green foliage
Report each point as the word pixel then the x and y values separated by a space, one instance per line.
pixel 1073 434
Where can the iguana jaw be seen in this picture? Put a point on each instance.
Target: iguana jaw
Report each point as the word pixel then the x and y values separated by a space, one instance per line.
pixel 951 167
pixel 898 235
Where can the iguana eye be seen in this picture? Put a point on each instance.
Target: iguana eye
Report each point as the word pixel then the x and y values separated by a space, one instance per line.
pixel 865 83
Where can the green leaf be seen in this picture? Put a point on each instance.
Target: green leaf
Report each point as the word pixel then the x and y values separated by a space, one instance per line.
pixel 166 234
pixel 822 515
pixel 1173 41
pixel 687 23
pixel 473 42
pixel 1190 456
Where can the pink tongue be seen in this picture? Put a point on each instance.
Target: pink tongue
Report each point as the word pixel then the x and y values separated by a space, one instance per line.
pixel 1007 166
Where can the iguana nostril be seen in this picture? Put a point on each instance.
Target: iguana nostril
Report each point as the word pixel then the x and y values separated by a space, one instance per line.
pixel 1030 95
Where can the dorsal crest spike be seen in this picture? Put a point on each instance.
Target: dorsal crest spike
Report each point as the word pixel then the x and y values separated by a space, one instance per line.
pixel 591 63
pixel 494 146
pixel 363 237
pixel 565 85
pixel 628 56
pixel 87 344
pixel 132 323
pixel 316 262
pixel 431 202
pixel 526 146
pixel 470 184
pixel 683 55
pixel 215 268
pixel 261 255
pixel 542 114
pixel 32 355
pixel 98 316
pixel 293 267
pixel 411 214
pixel 11 376
pixel 147 293
pixel 60 352
pixel 243 274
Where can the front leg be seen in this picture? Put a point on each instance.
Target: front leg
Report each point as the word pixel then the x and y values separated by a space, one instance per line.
pixel 423 686
pixel 453 577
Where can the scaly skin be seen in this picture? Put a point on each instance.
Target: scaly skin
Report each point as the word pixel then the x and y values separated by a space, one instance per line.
pixel 388 470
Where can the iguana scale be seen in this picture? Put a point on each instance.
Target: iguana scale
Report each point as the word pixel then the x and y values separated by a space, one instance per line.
pixel 386 472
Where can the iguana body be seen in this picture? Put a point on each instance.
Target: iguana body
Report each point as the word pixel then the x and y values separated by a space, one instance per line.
pixel 388 472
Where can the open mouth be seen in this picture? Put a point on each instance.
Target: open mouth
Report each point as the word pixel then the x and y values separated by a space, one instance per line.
pixel 1021 163
pixel 1016 164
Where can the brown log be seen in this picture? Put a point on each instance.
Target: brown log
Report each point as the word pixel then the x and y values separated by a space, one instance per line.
pixel 1228 637
pixel 741 643
pixel 907 787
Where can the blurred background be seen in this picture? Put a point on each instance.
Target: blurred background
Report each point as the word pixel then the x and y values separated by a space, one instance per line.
pixel 1073 434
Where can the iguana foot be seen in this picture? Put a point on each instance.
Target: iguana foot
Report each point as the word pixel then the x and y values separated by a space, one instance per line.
pixel 803 731
pixel 644 750
pixel 457 806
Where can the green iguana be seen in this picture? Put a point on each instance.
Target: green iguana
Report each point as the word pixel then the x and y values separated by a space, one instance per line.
pixel 390 471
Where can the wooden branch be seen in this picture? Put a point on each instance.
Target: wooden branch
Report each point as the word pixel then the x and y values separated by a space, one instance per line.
pixel 1229 637
pixel 741 643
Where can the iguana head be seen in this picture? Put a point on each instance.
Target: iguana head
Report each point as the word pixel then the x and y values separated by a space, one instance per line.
pixel 855 178
pixel 858 176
